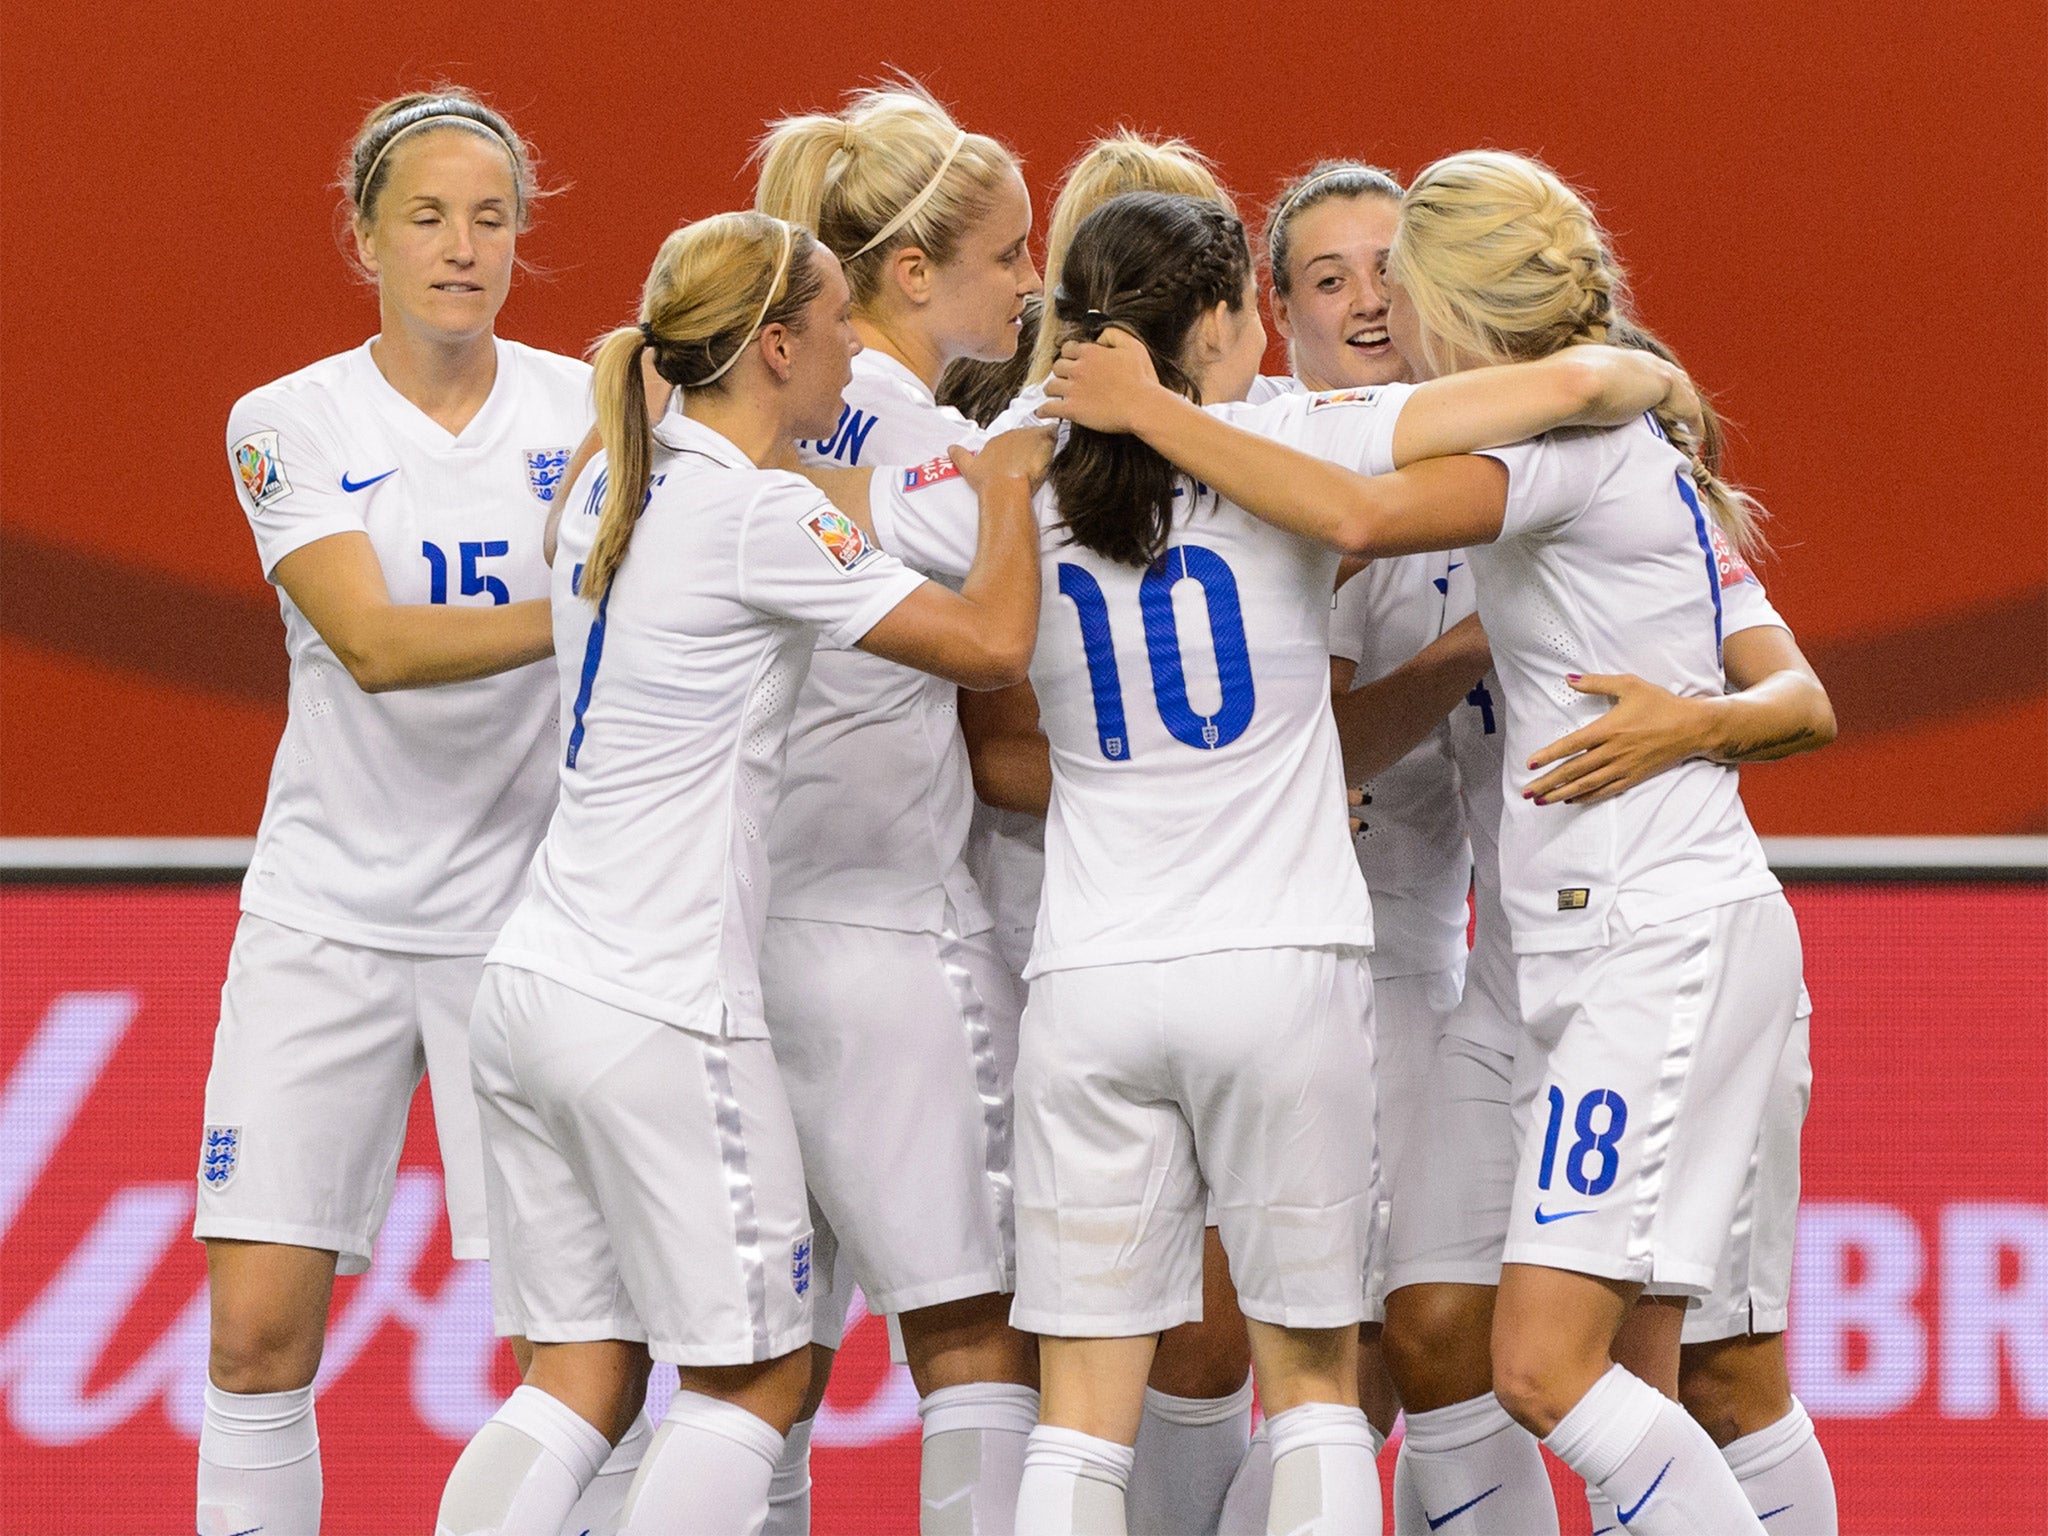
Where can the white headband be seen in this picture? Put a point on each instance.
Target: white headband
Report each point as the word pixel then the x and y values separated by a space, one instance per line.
pixel 438 118
pixel 774 283
pixel 910 209
pixel 1296 195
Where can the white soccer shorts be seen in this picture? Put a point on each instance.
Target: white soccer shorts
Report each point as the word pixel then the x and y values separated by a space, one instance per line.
pixel 1144 1087
pixel 1640 1090
pixel 319 1048
pixel 643 1181
pixel 1409 1014
pixel 1753 1286
pixel 898 1050
pixel 1450 1217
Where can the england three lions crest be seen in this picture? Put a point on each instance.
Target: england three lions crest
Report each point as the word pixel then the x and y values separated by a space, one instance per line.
pixel 544 467
pixel 220 1153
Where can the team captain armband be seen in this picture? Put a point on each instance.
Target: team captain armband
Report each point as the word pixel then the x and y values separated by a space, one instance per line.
pixel 930 472
pixel 260 469
pixel 1733 567
pixel 839 536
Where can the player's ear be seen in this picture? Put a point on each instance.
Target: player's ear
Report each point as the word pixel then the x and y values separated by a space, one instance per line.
pixel 366 245
pixel 1209 339
pixel 1282 321
pixel 774 342
pixel 911 270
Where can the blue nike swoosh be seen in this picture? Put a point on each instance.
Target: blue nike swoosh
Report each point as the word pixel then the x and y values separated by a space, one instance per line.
pixel 1626 1515
pixel 1545 1218
pixel 363 485
pixel 249 1532
pixel 1778 1511
pixel 1439 1520
pixel 1455 565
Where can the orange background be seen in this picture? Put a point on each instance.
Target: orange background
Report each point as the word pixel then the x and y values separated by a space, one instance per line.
pixel 1837 213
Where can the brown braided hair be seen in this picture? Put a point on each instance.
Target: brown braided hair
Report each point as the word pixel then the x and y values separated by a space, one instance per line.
pixel 1152 264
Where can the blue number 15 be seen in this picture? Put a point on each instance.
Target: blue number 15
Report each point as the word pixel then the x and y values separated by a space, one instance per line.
pixel 1181 562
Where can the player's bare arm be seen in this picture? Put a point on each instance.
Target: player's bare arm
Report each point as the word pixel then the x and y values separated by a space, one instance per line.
pixel 338 585
pixel 1779 710
pixel 1384 721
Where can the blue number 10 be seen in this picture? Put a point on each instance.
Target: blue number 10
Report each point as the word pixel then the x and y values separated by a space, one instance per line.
pixel 1181 562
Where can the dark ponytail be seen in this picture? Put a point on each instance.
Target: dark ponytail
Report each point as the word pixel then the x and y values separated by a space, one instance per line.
pixel 1151 264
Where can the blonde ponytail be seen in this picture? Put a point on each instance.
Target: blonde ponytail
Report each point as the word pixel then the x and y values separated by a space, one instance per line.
pixel 1118 163
pixel 891 170
pixel 1505 263
pixel 714 287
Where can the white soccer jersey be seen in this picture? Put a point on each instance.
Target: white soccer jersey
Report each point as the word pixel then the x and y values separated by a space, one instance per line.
pixel 1197 797
pixel 650 889
pixel 401 821
pixel 1491 1010
pixel 1411 838
pixel 1605 564
pixel 877 794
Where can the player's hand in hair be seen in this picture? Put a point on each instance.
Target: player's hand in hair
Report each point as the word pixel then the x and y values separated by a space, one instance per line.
pixel 1102 384
pixel 1025 454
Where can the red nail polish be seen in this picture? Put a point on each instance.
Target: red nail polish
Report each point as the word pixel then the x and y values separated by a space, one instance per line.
pixel 1573 677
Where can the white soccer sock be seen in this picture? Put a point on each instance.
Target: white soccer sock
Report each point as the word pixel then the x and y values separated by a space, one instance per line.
pixel 259 1463
pixel 1188 1452
pixel 598 1512
pixel 1251 1489
pixel 1073 1485
pixel 1476 1472
pixel 1644 1452
pixel 1325 1481
pixel 522 1473
pixel 789 1488
pixel 707 1472
pixel 973 1458
pixel 1601 1509
pixel 1784 1474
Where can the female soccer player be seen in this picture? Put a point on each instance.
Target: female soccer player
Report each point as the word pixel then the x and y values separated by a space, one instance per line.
pixel 885 995
pixel 1182 885
pixel 1658 961
pixel 1198 1406
pixel 646 1191
pixel 397 494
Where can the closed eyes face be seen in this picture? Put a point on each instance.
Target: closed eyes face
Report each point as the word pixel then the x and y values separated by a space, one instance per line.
pixel 1334 314
pixel 442 244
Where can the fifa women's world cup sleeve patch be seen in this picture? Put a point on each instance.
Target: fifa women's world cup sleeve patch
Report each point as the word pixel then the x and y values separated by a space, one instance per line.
pixel 1327 397
pixel 930 472
pixel 839 536
pixel 259 466
pixel 1733 567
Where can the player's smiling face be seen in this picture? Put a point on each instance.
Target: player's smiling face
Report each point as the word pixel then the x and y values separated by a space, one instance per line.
pixel 1335 313
pixel 442 242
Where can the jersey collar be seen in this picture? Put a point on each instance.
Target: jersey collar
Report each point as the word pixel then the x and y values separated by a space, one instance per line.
pixel 880 365
pixel 685 434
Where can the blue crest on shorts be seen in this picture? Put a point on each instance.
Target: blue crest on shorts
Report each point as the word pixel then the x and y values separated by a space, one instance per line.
pixel 220 1153
pixel 544 468
pixel 800 1267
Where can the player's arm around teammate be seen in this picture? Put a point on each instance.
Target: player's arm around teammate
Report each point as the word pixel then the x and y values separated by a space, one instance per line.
pixel 1613 1015
pixel 397 494
pixel 646 1189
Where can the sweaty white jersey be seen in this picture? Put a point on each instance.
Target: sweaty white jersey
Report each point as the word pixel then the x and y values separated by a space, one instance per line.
pixel 1197 799
pixel 402 820
pixel 650 889
pixel 1411 836
pixel 877 794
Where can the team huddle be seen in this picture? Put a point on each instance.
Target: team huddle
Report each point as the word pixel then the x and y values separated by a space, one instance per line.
pixel 1001 832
